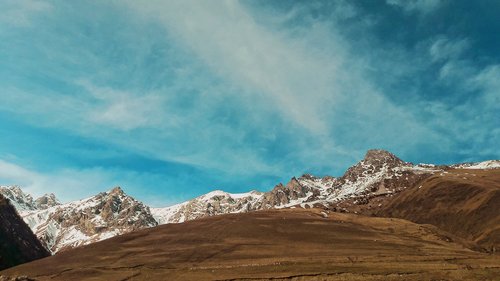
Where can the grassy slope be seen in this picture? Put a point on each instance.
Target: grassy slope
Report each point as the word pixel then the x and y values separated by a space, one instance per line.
pixel 463 202
pixel 285 244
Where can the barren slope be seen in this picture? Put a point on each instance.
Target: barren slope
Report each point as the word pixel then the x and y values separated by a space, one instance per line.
pixel 292 244
pixel 463 202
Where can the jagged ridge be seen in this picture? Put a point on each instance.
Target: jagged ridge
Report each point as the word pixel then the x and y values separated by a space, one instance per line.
pixel 363 186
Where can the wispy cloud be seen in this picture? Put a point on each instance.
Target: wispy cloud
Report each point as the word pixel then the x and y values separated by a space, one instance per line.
pixel 445 49
pixel 124 110
pixel 421 6
pixel 308 76
pixel 270 68
pixel 244 90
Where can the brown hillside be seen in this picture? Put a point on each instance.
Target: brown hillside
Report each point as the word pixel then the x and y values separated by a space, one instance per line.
pixel 293 244
pixel 463 202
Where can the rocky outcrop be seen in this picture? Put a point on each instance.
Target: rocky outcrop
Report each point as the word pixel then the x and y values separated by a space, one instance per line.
pixel 46 201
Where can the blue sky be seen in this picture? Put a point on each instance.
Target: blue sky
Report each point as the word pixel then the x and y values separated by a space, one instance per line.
pixel 172 99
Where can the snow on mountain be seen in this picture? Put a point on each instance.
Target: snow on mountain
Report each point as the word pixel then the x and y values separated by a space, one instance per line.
pixel 379 173
pixel 490 164
pixel 81 222
pixel 59 226
pixel 24 202
pixel 21 201
pixel 213 203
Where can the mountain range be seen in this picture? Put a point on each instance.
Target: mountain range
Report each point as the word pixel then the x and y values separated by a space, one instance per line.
pixel 365 188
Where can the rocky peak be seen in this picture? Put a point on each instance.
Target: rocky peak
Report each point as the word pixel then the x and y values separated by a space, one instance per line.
pixel 46 201
pixel 380 157
pixel 116 191
pixel 307 176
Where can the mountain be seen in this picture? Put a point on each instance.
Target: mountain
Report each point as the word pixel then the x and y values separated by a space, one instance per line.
pixel 365 188
pixel 490 164
pixel 24 202
pixel 379 174
pixel 17 243
pixel 285 244
pixel 21 201
pixel 107 214
pixel 213 203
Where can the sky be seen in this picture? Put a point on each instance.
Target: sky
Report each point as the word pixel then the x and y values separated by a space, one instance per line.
pixel 173 99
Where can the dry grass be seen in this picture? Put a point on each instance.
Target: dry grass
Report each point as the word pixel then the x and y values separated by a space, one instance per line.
pixel 274 245
pixel 463 202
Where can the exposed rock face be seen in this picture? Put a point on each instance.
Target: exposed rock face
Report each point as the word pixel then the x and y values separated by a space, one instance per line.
pixel 89 220
pixel 46 201
pixel 292 192
pixel 375 162
pixel 17 243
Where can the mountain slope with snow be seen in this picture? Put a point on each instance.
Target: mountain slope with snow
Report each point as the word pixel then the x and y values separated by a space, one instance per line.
pixel 490 164
pixel 24 202
pixel 213 203
pixel 77 223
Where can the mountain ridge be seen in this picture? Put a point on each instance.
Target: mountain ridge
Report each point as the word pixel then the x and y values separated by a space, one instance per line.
pixel 363 188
